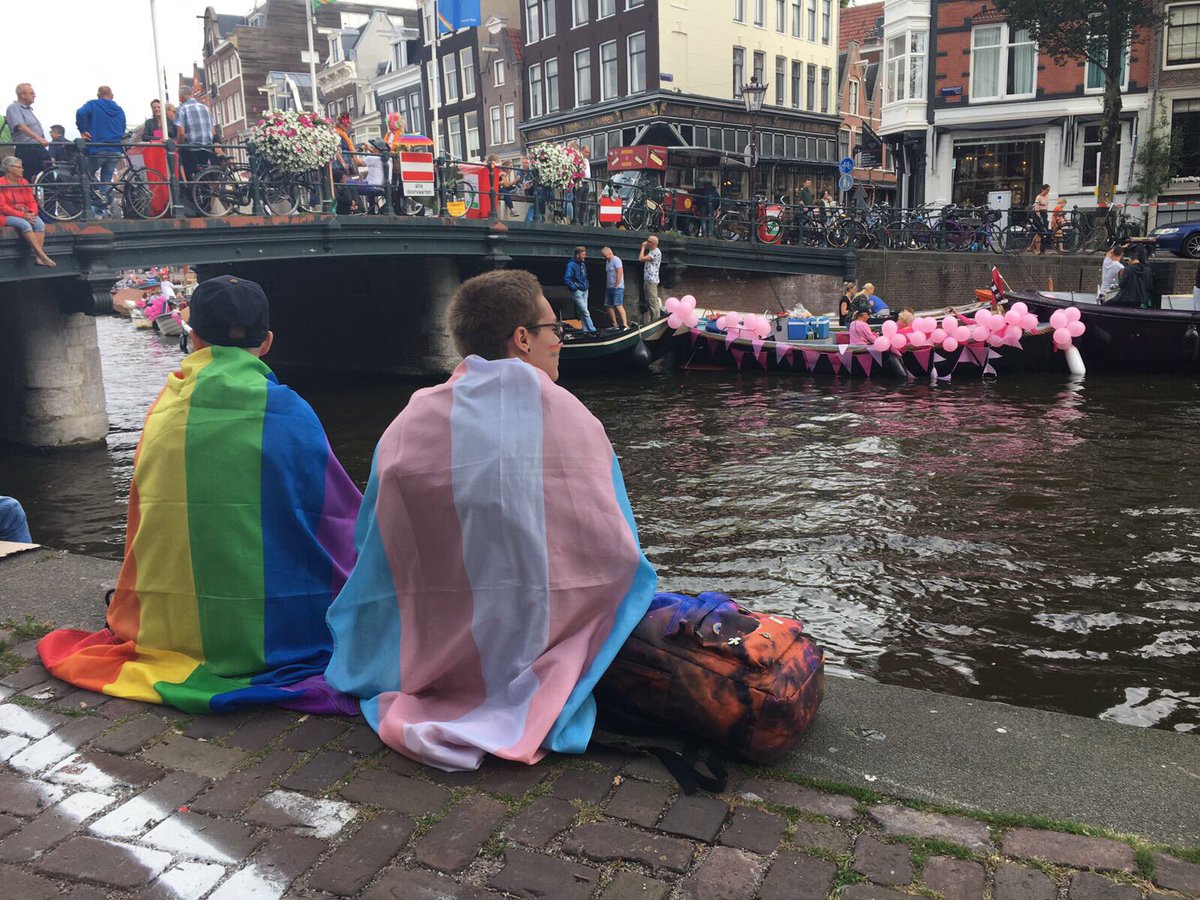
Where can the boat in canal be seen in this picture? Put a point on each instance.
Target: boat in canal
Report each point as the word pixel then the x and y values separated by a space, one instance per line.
pixel 613 351
pixel 1127 338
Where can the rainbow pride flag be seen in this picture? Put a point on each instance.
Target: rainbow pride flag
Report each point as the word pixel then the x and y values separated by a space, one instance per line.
pixel 499 572
pixel 240 533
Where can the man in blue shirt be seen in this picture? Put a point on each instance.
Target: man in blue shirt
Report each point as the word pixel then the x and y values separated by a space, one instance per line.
pixel 101 122
pixel 577 281
pixel 614 287
pixel 878 307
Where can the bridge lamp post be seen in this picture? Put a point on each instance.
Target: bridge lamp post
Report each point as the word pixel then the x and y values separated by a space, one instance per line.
pixel 752 95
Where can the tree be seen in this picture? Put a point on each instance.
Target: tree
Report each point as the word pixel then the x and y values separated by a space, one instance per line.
pixel 1096 31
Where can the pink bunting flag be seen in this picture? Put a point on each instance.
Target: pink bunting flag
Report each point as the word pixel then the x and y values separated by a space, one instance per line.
pixel 989 369
pixel 992 354
pixel 730 337
pixel 712 343
pixel 840 358
pixel 756 345
pixel 922 357
pixel 781 352
pixel 865 362
pixel 761 356
pixel 810 359
pixel 695 336
pixel 937 358
pixel 875 354
pixel 737 355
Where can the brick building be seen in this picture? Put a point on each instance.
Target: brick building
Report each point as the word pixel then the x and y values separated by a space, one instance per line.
pixel 1177 103
pixel 860 56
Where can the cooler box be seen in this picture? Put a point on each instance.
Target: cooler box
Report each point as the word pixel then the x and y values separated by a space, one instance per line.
pixel 815 328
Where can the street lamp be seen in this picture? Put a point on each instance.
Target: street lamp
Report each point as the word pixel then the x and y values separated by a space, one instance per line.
pixel 752 96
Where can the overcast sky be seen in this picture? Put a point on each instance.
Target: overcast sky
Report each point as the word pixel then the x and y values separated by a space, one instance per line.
pixel 67 48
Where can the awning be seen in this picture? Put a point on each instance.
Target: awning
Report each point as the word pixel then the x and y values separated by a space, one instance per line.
pixel 992 127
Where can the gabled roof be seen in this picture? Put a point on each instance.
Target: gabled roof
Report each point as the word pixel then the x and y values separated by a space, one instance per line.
pixel 226 24
pixel 862 23
pixel 871 79
pixel 514 41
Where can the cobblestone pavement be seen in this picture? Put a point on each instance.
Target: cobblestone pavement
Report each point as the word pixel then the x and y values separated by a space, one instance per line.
pixel 103 797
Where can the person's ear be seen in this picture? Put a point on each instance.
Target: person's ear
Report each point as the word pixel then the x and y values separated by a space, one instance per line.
pixel 265 347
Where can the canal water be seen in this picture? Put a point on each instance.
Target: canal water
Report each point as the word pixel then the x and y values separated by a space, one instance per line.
pixel 1031 540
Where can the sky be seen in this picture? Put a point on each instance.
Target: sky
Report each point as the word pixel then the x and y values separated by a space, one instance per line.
pixel 68 48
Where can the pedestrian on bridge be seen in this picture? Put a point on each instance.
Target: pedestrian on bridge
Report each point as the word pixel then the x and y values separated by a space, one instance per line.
pixel 194 127
pixel 29 140
pixel 577 281
pixel 101 122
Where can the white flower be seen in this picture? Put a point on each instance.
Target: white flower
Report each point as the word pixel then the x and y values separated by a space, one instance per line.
pixel 295 142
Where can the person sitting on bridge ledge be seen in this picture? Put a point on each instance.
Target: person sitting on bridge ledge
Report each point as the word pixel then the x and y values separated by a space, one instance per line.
pixel 240 533
pixel 19 209
pixel 472 623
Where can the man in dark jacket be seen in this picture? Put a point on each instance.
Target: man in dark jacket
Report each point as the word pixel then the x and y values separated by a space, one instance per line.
pixel 102 123
pixel 576 279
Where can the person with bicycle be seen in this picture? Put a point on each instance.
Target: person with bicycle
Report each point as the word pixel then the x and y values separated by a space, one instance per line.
pixel 1041 205
pixel 101 122
pixel 194 126
pixel 19 209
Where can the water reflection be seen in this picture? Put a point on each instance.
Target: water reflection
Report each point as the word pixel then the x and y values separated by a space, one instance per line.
pixel 1029 540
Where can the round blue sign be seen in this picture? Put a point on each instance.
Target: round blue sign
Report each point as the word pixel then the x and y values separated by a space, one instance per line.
pixel 845 183
pixel 846 166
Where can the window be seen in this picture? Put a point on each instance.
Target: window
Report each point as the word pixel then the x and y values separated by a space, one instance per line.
pixel 760 12
pixel 781 16
pixel 1182 44
pixel 1091 156
pixel 826 17
pixel 760 63
pixel 824 89
pixel 579 13
pixel 499 73
pixel 583 77
pixel 1094 80
pixel 854 87
pixel 1185 122
pixel 1003 64
pixel 510 123
pixel 812 87
pixel 497 125
pixel 797 72
pixel 549 21
pixel 454 136
pixel 780 81
pixel 473 147
pixel 797 19
pixel 450 77
pixel 905 67
pixel 533 21
pixel 551 85
pixel 535 91
pixel 812 20
pixel 466 61
pixel 739 10
pixel 632 4
pixel 434 88
pixel 414 117
pixel 608 70
pixel 637 62
pixel 427 16
pixel 606 8
pixel 335 50
pixel 739 71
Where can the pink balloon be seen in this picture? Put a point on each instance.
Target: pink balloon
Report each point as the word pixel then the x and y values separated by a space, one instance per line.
pixel 962 333
pixel 926 325
pixel 918 339
pixel 899 341
pixel 1012 317
pixel 949 323
pixel 672 304
pixel 1062 338
pixel 1020 307
pixel 980 333
pixel 691 318
pixel 950 345
pixel 721 321
pixel 1029 322
pixel 996 324
pixel 689 301
pixel 764 328
pixel 995 340
pixel 1058 319
pixel 889 327
pixel 673 320
pixel 1073 314
pixel 1012 333
pixel 1075 329
pixel 750 323
pixel 982 316
pixel 883 343
pixel 938 335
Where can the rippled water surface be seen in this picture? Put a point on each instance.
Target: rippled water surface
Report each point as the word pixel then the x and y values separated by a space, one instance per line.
pixel 1031 540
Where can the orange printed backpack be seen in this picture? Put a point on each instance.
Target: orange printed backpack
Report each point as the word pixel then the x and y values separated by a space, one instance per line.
pixel 743 682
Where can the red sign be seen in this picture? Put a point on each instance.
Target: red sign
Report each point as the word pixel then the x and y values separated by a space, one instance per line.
pixel 624 159
pixel 610 210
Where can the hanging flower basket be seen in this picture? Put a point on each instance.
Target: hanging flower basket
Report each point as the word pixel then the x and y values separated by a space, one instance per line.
pixel 557 166
pixel 294 142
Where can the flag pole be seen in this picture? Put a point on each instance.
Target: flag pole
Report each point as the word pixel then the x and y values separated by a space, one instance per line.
pixel 436 87
pixel 162 100
pixel 312 56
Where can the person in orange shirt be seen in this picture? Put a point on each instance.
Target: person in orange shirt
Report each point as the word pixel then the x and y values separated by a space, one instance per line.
pixel 19 209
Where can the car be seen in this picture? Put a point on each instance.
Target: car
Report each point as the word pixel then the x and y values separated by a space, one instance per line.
pixel 1181 238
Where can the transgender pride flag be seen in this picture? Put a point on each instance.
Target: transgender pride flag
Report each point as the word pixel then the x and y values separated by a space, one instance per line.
pixel 498 575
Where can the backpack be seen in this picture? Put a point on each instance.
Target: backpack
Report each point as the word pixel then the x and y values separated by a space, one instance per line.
pixel 6 135
pixel 746 683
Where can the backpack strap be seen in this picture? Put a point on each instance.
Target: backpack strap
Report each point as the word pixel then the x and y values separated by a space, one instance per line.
pixel 684 767
pixel 692 614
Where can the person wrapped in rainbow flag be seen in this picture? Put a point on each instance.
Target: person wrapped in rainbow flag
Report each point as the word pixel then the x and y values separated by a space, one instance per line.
pixel 499 569
pixel 240 534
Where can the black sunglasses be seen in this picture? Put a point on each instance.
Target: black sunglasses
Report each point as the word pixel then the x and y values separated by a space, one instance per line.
pixel 558 328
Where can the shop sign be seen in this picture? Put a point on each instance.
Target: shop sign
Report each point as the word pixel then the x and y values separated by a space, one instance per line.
pixel 624 159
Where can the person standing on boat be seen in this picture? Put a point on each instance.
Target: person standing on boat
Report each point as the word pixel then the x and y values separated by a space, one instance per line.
pixel 651 258
pixel 576 281
pixel 845 301
pixel 1110 273
pixel 472 625
pixel 614 287
pixel 878 307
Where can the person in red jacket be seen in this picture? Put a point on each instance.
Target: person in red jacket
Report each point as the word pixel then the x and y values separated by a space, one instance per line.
pixel 19 209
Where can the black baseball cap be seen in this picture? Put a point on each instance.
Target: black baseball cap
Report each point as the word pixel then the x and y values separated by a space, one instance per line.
pixel 225 304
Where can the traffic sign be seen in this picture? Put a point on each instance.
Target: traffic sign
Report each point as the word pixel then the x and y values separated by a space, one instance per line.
pixel 845 182
pixel 846 166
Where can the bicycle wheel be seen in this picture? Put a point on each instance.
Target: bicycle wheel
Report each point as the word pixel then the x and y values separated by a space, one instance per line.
pixel 281 196
pixel 460 192
pixel 214 192
pixel 953 237
pixel 635 212
pixel 145 193
pixel 59 194
pixel 770 229
pixel 1063 239
pixel 839 234
pixel 732 226
pixel 1017 238
pixel 995 238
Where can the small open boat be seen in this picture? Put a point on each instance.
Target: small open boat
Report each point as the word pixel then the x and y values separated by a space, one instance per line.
pixel 1127 338
pixel 613 351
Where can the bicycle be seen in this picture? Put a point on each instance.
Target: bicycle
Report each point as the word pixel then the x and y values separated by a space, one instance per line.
pixel 1116 227
pixel 144 193
pixel 226 187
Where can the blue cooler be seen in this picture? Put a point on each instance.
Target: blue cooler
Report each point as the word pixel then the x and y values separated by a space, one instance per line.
pixel 798 329
pixel 818 327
